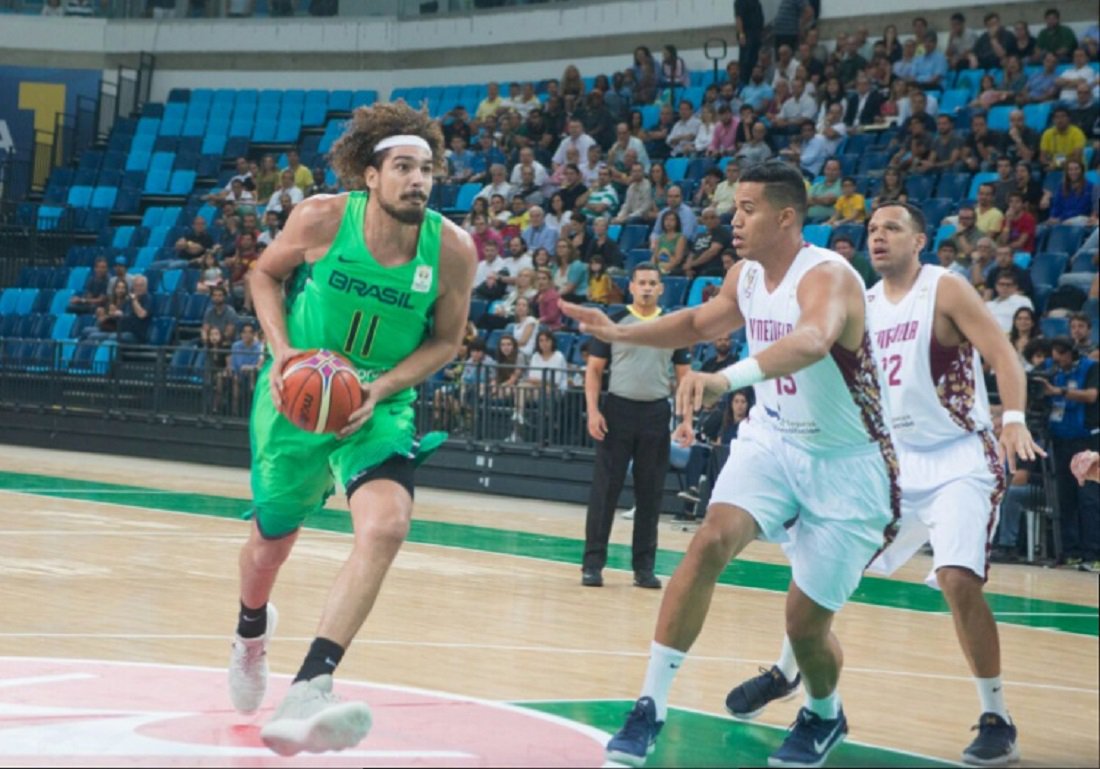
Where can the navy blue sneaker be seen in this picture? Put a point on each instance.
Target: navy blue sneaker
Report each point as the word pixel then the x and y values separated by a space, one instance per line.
pixel 995 744
pixel 811 740
pixel 748 700
pixel 632 744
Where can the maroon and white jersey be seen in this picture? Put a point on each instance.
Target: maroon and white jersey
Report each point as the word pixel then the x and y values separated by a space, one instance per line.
pixel 835 404
pixel 937 393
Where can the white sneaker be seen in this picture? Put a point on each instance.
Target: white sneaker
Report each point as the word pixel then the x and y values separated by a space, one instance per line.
pixel 248 667
pixel 629 514
pixel 313 719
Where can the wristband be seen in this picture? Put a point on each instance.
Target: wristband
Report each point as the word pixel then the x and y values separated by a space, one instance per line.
pixel 1012 417
pixel 743 373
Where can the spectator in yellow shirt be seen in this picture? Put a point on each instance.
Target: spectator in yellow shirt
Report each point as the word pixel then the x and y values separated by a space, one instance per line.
pixel 303 177
pixel 490 104
pixel 850 207
pixel 990 219
pixel 1061 142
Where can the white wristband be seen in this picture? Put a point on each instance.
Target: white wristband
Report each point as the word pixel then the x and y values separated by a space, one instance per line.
pixel 743 373
pixel 1013 417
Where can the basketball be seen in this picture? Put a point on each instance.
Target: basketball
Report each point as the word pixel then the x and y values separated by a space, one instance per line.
pixel 320 391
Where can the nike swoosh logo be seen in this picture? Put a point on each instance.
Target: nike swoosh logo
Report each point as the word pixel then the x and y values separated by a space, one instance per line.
pixel 246 618
pixel 331 663
pixel 819 747
pixel 342 260
pixel 996 690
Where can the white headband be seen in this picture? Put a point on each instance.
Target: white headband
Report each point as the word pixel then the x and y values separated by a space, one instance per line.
pixel 402 140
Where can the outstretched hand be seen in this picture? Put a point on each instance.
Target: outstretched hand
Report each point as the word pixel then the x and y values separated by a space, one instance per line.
pixel 592 321
pixel 698 389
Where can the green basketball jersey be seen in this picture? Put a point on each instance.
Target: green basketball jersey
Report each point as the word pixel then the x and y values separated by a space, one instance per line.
pixel 346 301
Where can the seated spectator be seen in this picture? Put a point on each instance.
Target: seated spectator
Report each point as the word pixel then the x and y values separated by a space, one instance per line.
pixel 708 123
pixel 982 258
pixel 570 272
pixel 770 112
pixel 1028 187
pixel 320 184
pixel 947 146
pixel 195 241
pixel 489 283
pixel 498 214
pixel 240 265
pixel 670 246
pixel 1080 331
pixel 219 315
pixel 1024 44
pixel 681 139
pixel 844 246
pixel 825 142
pixel 107 316
pixel 1007 301
pixel 905 67
pixel 288 188
pixel 479 206
pixel 120 273
pixel 1021 142
pixel 1042 86
pixel 989 95
pixel 137 313
pixel 706 251
pixel 656 138
pixel 516 258
pixel 1073 200
pixel 704 193
pixel 638 205
pixel 523 327
pixel 659 184
pixel 490 104
pixel 94 294
pixel 558 216
pixel 210 273
pixel 528 190
pixel 245 357
pixel 498 184
pixel 548 301
pixel 990 219
pixel 851 62
pixel 799 106
pixel 723 193
pixel 590 167
pixel 455 123
pixel 577 139
pixel 930 67
pixel 864 106
pixel 967 236
pixel 1025 330
pixel 983 146
pixel 573 188
pixel 756 150
pixel 1018 231
pixel 484 234
pixel 892 189
pixel 1090 41
pixel 601 288
pixel 601 199
pixel 824 193
pixel 948 256
pixel 303 177
pixel 625 142
pixel 527 160
pixel 486 155
pixel 539 234
pixel 916 158
pixel 850 207
pixel 53 8
pixel 960 42
pixel 1013 80
pixel 1080 72
pixel 1083 111
pixel 602 246
pixel 993 45
pixel 724 139
pixel 675 203
pixel 460 161
pixel 1004 263
pixel 757 93
pixel 1061 142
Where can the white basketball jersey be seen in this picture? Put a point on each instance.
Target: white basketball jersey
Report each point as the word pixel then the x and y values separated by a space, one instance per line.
pixel 834 404
pixel 937 393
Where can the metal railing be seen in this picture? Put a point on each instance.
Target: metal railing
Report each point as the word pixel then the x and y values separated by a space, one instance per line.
pixel 157 382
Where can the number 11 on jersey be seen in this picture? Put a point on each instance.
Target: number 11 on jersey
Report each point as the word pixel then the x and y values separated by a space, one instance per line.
pixel 353 333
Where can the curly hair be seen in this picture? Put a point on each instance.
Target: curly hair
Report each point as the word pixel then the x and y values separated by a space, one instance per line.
pixel 353 152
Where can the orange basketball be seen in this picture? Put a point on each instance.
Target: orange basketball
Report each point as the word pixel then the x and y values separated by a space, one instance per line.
pixel 320 391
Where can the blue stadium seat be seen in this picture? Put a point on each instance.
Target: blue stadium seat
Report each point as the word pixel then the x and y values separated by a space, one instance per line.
pixel 953 186
pixel 1064 237
pixel 980 178
pixel 151 217
pixel 60 301
pixel 817 234
pixel 466 195
pixel 79 196
pixel 945 231
pixel 27 298
pixel 935 209
pixel 340 101
pixel 122 237
pixel 62 329
pixel 676 169
pixel 182 183
pixel 162 331
pixel 193 310
pixel 162 161
pixel 1083 262
pixel 997 117
pixel 1052 327
pixel 695 294
pixel 156 183
pixel 288 130
pixel 853 231
pixel 633 236
pixel 918 187
pixel 78 276
pixel 1036 116
pixel 9 300
pixel 104 197
pixel 1047 267
pixel 262 131
pixel 675 289
pixel 477 309
pixel 953 100
pixel 128 201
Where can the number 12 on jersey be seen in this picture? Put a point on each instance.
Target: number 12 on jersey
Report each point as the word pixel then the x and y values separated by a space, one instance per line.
pixel 353 334
pixel 891 367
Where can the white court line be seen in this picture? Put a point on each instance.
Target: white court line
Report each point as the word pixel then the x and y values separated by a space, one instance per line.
pixel 462 549
pixel 521 648
pixel 44 492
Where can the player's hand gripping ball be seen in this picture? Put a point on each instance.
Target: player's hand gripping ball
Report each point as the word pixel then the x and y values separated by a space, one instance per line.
pixel 320 391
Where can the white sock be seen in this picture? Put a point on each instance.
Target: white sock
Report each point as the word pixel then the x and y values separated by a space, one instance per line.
pixel 991 693
pixel 786 663
pixel 664 663
pixel 827 707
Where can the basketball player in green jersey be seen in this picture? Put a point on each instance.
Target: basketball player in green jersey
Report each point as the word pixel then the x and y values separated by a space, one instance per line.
pixel 376 276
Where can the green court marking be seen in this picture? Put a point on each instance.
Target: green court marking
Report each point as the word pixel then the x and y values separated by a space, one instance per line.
pixel 690 738
pixel 874 591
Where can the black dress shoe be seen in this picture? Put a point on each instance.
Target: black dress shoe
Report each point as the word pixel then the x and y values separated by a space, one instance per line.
pixel 646 579
pixel 591 578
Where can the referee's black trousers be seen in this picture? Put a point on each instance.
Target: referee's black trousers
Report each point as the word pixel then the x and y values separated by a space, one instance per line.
pixel 637 430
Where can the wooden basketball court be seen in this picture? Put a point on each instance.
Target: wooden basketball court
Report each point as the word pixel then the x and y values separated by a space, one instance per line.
pixel 135 561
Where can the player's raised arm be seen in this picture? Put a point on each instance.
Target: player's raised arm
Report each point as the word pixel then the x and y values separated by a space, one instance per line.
pixel 717 317
pixel 309 231
pixel 831 297
pixel 962 307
